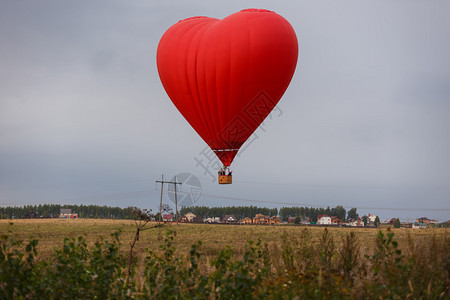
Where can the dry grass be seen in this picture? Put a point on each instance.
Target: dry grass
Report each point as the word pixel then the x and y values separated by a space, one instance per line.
pixel 51 233
pixel 293 261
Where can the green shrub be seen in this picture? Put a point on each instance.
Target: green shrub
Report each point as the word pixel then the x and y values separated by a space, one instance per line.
pixel 298 267
pixel 17 273
pixel 75 272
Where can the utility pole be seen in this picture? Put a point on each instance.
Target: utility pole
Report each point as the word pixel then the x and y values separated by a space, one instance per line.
pixel 176 202
pixel 160 201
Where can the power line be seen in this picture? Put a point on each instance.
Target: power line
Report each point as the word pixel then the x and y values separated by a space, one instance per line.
pixel 147 193
pixel 115 196
pixel 320 205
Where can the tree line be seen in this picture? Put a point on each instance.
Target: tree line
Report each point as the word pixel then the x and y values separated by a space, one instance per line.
pixel 241 212
pixel 53 210
pixel 313 212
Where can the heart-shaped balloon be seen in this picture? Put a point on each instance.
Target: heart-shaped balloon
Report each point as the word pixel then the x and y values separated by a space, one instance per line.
pixel 225 76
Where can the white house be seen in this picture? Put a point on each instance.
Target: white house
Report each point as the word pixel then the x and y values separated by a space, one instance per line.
pixel 212 220
pixel 371 218
pixel 419 225
pixel 356 222
pixel 305 221
pixel 190 216
pixel 323 220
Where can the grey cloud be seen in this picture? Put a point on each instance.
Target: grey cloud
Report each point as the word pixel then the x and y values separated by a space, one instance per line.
pixel 365 120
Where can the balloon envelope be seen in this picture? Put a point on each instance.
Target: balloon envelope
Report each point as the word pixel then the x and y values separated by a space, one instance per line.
pixel 226 76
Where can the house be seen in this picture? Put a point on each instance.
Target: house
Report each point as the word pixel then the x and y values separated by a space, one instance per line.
pixel 335 220
pixel 229 219
pixel 197 220
pixel 274 220
pixel 66 213
pixel 32 215
pixel 391 221
pixel 261 219
pixel 305 221
pixel 425 220
pixel 167 217
pixel 323 220
pixel 247 221
pixel 419 225
pixel 190 216
pixel 355 222
pixel 184 219
pixel 371 220
pixel 406 225
pixel 187 218
pixel 291 220
pixel 212 220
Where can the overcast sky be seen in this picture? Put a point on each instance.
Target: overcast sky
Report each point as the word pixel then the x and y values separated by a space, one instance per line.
pixel 365 122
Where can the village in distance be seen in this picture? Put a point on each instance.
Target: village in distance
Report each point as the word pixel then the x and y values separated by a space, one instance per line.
pixel 240 215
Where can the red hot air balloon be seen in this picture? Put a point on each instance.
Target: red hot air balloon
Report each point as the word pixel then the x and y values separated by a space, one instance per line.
pixel 225 76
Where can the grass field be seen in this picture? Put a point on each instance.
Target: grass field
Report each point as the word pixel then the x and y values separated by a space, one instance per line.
pixel 51 232
pixel 289 261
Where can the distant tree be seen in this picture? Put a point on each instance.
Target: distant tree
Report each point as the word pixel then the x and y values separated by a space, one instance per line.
pixel 377 221
pixel 297 220
pixel 397 223
pixel 165 208
pixel 339 211
pixel 364 219
pixel 273 212
pixel 284 213
pixel 313 214
pixel 352 214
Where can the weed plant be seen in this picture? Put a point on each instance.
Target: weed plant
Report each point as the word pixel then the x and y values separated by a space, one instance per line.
pixel 295 268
